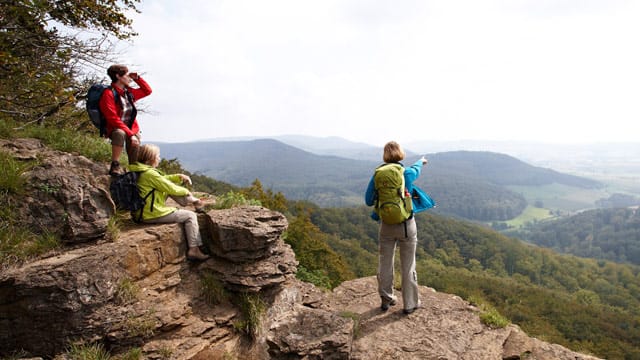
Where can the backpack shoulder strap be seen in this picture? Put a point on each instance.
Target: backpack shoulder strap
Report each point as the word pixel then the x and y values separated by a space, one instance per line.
pixel 151 193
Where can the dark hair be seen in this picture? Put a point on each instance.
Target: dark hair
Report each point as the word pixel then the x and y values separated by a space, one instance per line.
pixel 392 152
pixel 116 69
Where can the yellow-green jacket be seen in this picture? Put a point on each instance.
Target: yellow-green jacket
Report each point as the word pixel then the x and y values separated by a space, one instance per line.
pixel 151 178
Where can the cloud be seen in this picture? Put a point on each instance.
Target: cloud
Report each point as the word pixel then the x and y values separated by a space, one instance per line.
pixel 373 70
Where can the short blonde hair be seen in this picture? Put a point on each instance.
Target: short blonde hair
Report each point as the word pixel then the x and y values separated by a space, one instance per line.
pixel 392 152
pixel 147 153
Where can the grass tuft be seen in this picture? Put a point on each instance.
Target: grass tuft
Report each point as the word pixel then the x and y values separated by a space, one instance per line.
pixel 132 354
pixel 356 322
pixel 212 289
pixel 141 326
pixel 252 308
pixel 488 314
pixel 87 352
pixel 127 291
pixel 12 182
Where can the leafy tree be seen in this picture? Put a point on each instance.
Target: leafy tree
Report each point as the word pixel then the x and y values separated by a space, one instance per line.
pixel 47 49
pixel 313 253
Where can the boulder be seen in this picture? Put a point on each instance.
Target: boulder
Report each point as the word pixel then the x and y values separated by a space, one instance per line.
pixel 249 254
pixel 65 194
pixel 247 233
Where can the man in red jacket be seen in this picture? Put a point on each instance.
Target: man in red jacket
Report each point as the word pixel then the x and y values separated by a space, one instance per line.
pixel 120 114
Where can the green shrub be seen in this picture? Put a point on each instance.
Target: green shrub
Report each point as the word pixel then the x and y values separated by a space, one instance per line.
pixel 316 277
pixel 232 199
pixel 488 314
pixel 492 318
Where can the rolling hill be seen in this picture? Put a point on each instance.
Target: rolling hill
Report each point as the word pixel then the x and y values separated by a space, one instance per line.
pixel 471 185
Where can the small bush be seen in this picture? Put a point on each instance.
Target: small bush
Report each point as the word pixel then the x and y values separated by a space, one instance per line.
pixel 492 318
pixel 232 199
pixel 488 314
pixel 316 277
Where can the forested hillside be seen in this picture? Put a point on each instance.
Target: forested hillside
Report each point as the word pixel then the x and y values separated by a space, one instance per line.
pixel 609 234
pixel 469 185
pixel 501 169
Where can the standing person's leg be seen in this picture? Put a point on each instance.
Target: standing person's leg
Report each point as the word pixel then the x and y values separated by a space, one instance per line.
pixel 386 252
pixel 118 138
pixel 191 229
pixel 408 265
pixel 132 150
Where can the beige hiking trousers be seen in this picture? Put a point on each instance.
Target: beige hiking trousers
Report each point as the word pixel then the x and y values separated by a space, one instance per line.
pixel 406 240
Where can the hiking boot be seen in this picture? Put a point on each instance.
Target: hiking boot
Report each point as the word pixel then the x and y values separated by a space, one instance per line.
pixel 116 169
pixel 195 254
pixel 199 206
pixel 385 305
pixel 409 311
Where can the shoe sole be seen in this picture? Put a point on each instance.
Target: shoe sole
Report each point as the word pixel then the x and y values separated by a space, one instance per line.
pixel 195 259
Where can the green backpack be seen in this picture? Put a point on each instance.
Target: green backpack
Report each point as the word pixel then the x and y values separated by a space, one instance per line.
pixel 393 202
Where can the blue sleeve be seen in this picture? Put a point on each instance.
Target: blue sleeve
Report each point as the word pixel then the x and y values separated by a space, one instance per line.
pixel 370 195
pixel 412 173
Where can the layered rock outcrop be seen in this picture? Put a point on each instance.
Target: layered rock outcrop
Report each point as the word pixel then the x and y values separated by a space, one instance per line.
pixel 137 291
pixel 67 194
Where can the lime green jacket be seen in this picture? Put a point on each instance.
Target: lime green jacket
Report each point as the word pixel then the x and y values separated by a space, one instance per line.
pixel 151 178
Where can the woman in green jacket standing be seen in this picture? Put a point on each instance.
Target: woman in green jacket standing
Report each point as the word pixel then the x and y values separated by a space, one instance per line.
pixel 155 210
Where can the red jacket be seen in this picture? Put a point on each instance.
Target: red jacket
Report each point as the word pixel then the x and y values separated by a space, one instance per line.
pixel 112 112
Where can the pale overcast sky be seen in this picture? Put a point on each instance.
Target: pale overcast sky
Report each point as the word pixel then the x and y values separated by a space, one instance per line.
pixel 371 71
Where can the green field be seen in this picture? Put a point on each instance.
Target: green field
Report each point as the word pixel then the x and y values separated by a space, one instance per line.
pixel 561 198
pixel 530 214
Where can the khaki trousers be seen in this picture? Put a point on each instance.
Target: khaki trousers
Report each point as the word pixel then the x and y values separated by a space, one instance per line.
pixel 186 217
pixel 388 237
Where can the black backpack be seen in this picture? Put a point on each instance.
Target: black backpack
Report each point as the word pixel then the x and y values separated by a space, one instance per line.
pixel 126 195
pixel 93 105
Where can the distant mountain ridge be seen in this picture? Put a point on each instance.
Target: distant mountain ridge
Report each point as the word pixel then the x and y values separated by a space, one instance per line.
pixel 467 184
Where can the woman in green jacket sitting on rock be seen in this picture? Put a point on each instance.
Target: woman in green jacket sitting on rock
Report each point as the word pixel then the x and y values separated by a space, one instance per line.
pixel 155 210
